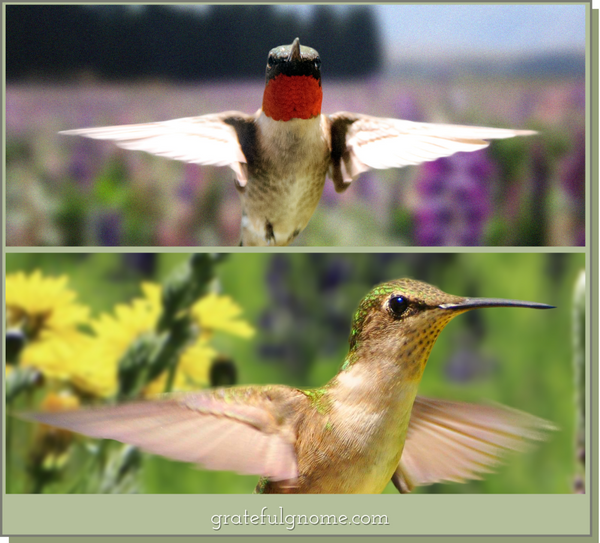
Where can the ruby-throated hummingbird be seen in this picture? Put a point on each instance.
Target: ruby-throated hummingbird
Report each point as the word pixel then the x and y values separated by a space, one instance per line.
pixel 365 427
pixel 282 154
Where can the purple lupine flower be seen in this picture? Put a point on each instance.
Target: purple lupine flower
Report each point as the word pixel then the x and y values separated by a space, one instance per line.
pixel 142 263
pixel 334 272
pixel 296 336
pixel 572 174
pixel 277 278
pixel 467 363
pixel 86 161
pixel 573 169
pixel 192 179
pixel 454 200
pixel 109 229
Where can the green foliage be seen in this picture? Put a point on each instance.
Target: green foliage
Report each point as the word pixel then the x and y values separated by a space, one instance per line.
pixel 519 357
pixel 114 42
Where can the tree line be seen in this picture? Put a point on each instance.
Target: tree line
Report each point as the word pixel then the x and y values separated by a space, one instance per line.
pixel 117 42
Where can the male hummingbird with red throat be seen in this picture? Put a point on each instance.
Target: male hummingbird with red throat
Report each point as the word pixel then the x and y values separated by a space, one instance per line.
pixel 364 428
pixel 283 153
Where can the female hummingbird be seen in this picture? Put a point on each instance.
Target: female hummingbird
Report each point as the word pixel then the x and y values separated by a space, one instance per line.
pixel 365 427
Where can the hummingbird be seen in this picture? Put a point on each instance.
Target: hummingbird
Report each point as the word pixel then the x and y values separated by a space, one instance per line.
pixel 364 428
pixel 283 153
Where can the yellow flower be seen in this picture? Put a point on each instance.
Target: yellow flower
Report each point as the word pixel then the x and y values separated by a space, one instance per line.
pixel 56 355
pixel 96 370
pixel 48 315
pixel 51 444
pixel 59 402
pixel 192 370
pixel 220 313
pixel 42 305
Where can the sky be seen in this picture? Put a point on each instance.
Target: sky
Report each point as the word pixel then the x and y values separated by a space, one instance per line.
pixel 412 31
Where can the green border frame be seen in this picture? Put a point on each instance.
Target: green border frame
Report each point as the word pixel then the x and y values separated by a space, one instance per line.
pixel 528 517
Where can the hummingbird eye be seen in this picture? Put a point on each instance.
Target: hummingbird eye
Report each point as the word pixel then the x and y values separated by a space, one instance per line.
pixel 397 306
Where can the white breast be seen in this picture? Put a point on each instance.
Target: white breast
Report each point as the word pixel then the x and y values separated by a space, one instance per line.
pixel 286 191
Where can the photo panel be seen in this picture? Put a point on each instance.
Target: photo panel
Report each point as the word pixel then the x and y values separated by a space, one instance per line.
pixel 296 158
pixel 338 337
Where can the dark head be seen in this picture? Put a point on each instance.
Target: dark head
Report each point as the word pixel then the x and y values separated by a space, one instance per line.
pixel 293 83
pixel 293 59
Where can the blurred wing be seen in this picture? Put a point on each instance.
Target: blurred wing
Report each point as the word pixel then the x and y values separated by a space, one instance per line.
pixel 198 428
pixel 209 139
pixel 452 441
pixel 365 142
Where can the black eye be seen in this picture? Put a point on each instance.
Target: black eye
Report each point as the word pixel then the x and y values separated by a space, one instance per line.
pixel 397 306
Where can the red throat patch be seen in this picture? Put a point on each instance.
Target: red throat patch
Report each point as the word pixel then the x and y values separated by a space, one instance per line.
pixel 292 97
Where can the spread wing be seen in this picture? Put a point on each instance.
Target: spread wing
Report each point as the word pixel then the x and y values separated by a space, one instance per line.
pixel 453 441
pixel 209 139
pixel 218 433
pixel 361 142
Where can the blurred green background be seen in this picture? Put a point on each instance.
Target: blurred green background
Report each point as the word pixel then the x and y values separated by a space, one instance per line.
pixel 301 306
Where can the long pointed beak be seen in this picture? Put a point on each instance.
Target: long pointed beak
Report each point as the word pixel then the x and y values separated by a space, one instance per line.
pixel 295 50
pixel 474 303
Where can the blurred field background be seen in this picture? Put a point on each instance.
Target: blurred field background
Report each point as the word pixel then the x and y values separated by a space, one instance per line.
pixel 301 306
pixel 76 192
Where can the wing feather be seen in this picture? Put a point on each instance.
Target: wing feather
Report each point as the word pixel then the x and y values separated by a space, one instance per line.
pixel 215 432
pixel 208 139
pixel 373 142
pixel 453 441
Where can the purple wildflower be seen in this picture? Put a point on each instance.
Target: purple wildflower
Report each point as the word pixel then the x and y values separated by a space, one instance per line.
pixel 85 161
pixel 572 173
pixel 454 200
pixel 109 229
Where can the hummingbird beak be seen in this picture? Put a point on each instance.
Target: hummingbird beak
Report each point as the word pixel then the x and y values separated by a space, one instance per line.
pixel 474 303
pixel 295 51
